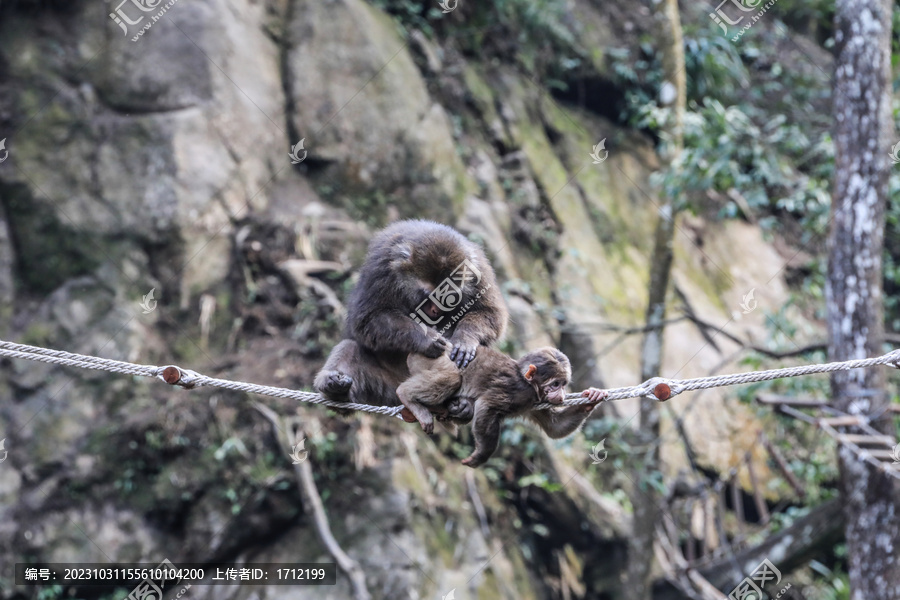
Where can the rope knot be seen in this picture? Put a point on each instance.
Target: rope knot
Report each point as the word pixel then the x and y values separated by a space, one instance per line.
pixel 177 376
pixel 893 358
pixel 660 388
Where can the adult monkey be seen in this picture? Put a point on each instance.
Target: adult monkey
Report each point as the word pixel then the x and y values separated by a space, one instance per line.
pixel 423 289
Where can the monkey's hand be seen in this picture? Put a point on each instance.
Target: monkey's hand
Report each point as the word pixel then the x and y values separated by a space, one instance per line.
pixel 461 410
pixel 463 351
pixel 596 396
pixel 436 347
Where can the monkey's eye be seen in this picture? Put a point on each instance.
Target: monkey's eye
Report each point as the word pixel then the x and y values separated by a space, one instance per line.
pixel 554 385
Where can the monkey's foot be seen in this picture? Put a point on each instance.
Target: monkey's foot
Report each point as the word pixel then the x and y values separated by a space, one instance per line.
pixel 427 425
pixel 418 412
pixel 425 419
pixel 461 410
pixel 336 384
pixel 473 461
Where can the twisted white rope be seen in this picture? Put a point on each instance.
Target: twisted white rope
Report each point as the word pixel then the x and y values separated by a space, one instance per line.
pixel 655 388
pixel 677 386
pixel 188 379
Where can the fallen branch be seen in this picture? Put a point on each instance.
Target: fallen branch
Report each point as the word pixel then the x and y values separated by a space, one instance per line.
pixel 477 504
pixel 311 499
pixel 790 548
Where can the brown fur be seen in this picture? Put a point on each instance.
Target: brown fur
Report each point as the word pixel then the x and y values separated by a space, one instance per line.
pixel 500 388
pixel 405 263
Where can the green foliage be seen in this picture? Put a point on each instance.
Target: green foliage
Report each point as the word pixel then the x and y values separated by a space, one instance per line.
pixel 819 10
pixel 838 581
pixel 233 497
pixel 892 253
pixel 732 159
pixel 50 592
pixel 810 455
pixel 784 519
pixel 231 446
pixel 49 251
pixel 412 14
pixel 838 588
pixel 812 17
pixel 330 450
pixel 640 76
pixel 756 141
pixel 545 33
pixel 541 480
pixel 755 134
pixel 541 35
pixel 653 479
pixel 621 497
pixel 38 334
pixel 326 446
pixel 817 473
pixel 521 437
pixel 714 66
pixel 737 134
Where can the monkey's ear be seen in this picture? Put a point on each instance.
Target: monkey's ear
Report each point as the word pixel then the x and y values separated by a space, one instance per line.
pixel 529 372
pixel 404 251
pixel 401 256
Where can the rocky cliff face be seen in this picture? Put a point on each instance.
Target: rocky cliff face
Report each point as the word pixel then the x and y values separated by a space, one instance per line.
pixel 162 163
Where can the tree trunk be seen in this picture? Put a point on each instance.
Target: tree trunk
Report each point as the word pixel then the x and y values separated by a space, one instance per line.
pixel 645 498
pixel 862 137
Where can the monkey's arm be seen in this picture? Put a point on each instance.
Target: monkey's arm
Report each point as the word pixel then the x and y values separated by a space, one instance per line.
pixel 394 331
pixel 558 423
pixel 486 430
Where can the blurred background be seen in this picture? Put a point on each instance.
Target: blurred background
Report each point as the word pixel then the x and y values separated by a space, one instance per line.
pixel 195 182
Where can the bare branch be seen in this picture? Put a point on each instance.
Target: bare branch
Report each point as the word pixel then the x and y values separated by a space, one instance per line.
pixel 310 494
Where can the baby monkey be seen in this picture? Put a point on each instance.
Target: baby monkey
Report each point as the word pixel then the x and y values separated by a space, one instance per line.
pixel 500 388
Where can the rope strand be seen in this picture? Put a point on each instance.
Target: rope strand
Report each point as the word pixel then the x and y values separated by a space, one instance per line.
pixel 657 388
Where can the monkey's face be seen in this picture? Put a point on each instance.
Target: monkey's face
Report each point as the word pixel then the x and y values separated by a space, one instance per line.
pixel 425 303
pixel 549 371
pixel 554 391
pixel 431 309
